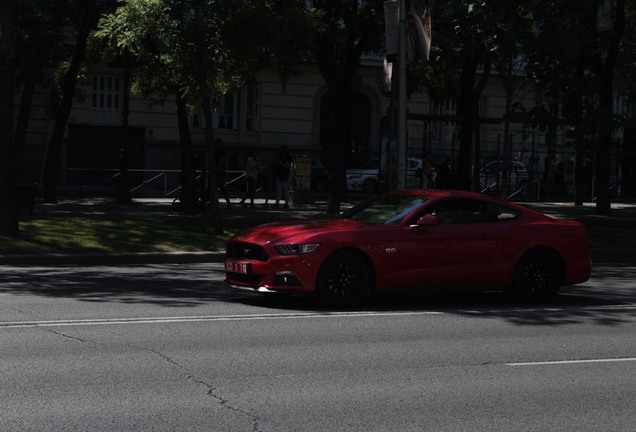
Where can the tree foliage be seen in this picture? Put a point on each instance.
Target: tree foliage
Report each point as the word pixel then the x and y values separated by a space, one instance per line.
pixel 577 53
pixel 340 33
pixel 194 50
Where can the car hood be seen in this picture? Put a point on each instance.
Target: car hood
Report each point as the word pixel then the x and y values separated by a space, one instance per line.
pixel 295 232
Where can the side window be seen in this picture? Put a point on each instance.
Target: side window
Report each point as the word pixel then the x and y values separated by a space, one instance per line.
pixel 452 212
pixel 466 211
pixel 500 213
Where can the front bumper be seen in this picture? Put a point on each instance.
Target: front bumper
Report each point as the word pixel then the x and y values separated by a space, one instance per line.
pixel 279 274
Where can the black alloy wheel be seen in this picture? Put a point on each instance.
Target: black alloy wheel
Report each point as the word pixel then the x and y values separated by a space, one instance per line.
pixel 538 276
pixel 344 279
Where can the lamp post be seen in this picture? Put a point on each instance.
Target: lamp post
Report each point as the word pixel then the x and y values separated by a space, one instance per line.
pixel 401 126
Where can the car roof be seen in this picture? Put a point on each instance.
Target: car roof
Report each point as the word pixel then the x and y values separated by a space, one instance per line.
pixel 441 194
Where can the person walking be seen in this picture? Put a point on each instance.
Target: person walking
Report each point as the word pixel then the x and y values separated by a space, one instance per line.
pixel 282 171
pixel 251 176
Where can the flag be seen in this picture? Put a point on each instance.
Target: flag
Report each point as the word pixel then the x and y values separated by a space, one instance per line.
pixel 418 28
pixel 391 26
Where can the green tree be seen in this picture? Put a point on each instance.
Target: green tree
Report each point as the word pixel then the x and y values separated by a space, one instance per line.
pixel 341 33
pixel 197 51
pixel 39 33
pixel 575 60
pixel 465 37
pixel 512 36
pixel 82 18
pixel 8 211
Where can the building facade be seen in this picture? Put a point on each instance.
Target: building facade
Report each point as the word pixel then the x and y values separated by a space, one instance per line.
pixel 275 112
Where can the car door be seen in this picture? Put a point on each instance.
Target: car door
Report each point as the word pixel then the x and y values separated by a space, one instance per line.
pixel 462 250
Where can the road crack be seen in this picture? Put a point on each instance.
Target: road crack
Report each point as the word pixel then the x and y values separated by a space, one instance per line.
pixel 211 392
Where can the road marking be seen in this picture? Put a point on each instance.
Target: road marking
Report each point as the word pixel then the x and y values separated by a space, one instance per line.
pixel 155 320
pixel 561 362
pixel 299 315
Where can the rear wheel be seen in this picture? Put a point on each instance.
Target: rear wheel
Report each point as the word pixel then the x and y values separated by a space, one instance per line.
pixel 538 275
pixel 344 279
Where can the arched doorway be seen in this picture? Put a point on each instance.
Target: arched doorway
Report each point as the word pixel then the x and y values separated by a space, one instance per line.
pixel 360 146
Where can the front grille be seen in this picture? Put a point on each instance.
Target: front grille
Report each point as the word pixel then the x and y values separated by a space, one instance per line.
pixel 249 279
pixel 246 251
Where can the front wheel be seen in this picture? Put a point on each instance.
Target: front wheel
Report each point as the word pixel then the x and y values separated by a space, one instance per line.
pixel 344 279
pixel 538 276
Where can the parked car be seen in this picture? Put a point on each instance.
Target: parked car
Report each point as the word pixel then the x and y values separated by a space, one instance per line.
pixel 365 178
pixel 368 177
pixel 412 240
pixel 492 173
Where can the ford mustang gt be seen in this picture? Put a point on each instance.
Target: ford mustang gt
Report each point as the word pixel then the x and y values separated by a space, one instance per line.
pixel 413 240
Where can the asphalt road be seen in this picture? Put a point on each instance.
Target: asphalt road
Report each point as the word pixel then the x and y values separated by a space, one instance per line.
pixel 169 348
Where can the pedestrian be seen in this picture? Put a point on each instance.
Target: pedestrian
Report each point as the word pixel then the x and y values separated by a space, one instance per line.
pixel 443 174
pixel 282 171
pixel 221 169
pixel 251 176
pixel 267 181
pixel 427 172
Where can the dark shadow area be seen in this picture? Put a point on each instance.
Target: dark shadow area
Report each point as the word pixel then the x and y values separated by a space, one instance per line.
pixel 609 298
pixel 164 285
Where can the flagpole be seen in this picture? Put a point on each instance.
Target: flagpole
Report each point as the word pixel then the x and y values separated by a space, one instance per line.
pixel 401 126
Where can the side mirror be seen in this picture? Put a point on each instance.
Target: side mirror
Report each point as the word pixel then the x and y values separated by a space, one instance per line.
pixel 427 220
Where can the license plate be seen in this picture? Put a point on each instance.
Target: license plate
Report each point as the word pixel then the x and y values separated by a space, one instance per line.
pixel 236 267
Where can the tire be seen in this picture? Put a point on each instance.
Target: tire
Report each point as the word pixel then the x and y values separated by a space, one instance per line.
pixel 538 276
pixel 370 186
pixel 344 280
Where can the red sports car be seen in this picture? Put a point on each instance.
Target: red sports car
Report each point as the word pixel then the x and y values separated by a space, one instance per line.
pixel 413 240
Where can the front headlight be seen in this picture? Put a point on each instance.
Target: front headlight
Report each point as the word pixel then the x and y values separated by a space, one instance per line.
pixel 299 249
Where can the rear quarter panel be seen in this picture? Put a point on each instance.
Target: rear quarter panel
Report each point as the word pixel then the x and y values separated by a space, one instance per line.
pixel 567 238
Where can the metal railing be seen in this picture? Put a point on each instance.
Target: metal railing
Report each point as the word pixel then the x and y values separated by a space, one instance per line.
pixel 142 182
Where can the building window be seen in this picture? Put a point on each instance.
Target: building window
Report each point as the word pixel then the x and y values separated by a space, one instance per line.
pixel 226 117
pixel 106 99
pixel 239 111
pixel 442 130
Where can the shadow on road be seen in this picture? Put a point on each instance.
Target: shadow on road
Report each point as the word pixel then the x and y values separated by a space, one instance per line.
pixel 610 290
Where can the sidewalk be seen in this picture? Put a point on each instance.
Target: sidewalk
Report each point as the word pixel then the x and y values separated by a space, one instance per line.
pixel 160 207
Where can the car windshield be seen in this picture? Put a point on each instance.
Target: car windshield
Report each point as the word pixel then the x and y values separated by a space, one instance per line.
pixel 389 209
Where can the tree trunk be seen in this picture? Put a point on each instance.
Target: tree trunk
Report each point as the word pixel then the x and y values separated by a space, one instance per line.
pixel 606 103
pixel 8 211
pixel 123 190
pixel 478 90
pixel 89 20
pixel 188 181
pixel 579 159
pixel 24 115
pixel 338 147
pixel 465 107
pixel 209 143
